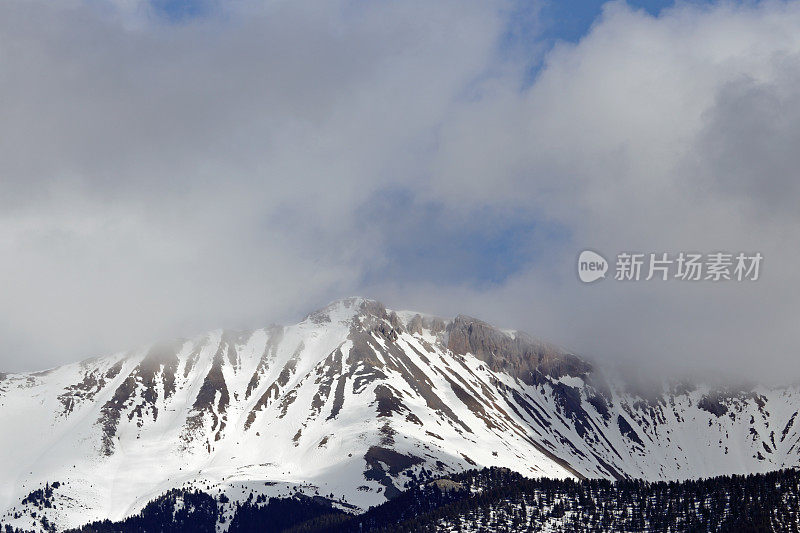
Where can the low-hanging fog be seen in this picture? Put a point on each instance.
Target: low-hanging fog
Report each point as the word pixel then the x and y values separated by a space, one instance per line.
pixel 159 178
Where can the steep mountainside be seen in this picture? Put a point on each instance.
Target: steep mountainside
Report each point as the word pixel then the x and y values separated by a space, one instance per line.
pixel 351 404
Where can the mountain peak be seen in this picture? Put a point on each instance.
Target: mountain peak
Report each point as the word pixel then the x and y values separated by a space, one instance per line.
pixel 357 401
pixel 344 309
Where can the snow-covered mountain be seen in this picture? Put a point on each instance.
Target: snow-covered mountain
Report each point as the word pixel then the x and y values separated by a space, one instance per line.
pixel 351 404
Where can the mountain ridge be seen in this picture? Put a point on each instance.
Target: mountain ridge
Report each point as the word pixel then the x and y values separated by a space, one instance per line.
pixel 352 403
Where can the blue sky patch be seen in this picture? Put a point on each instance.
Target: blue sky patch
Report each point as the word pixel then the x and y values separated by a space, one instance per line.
pixel 480 247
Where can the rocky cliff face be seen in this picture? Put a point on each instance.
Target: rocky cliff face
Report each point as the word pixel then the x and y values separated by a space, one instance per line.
pixel 518 355
pixel 352 404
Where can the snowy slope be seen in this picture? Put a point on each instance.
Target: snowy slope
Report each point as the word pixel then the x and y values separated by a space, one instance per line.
pixel 346 404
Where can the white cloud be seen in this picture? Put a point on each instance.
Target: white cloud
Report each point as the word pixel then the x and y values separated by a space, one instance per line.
pixel 651 134
pixel 159 180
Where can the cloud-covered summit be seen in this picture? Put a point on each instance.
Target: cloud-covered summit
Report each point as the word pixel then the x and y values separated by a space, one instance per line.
pixel 249 164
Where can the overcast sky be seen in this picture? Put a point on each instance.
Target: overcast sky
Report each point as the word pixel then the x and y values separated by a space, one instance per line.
pixel 172 167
